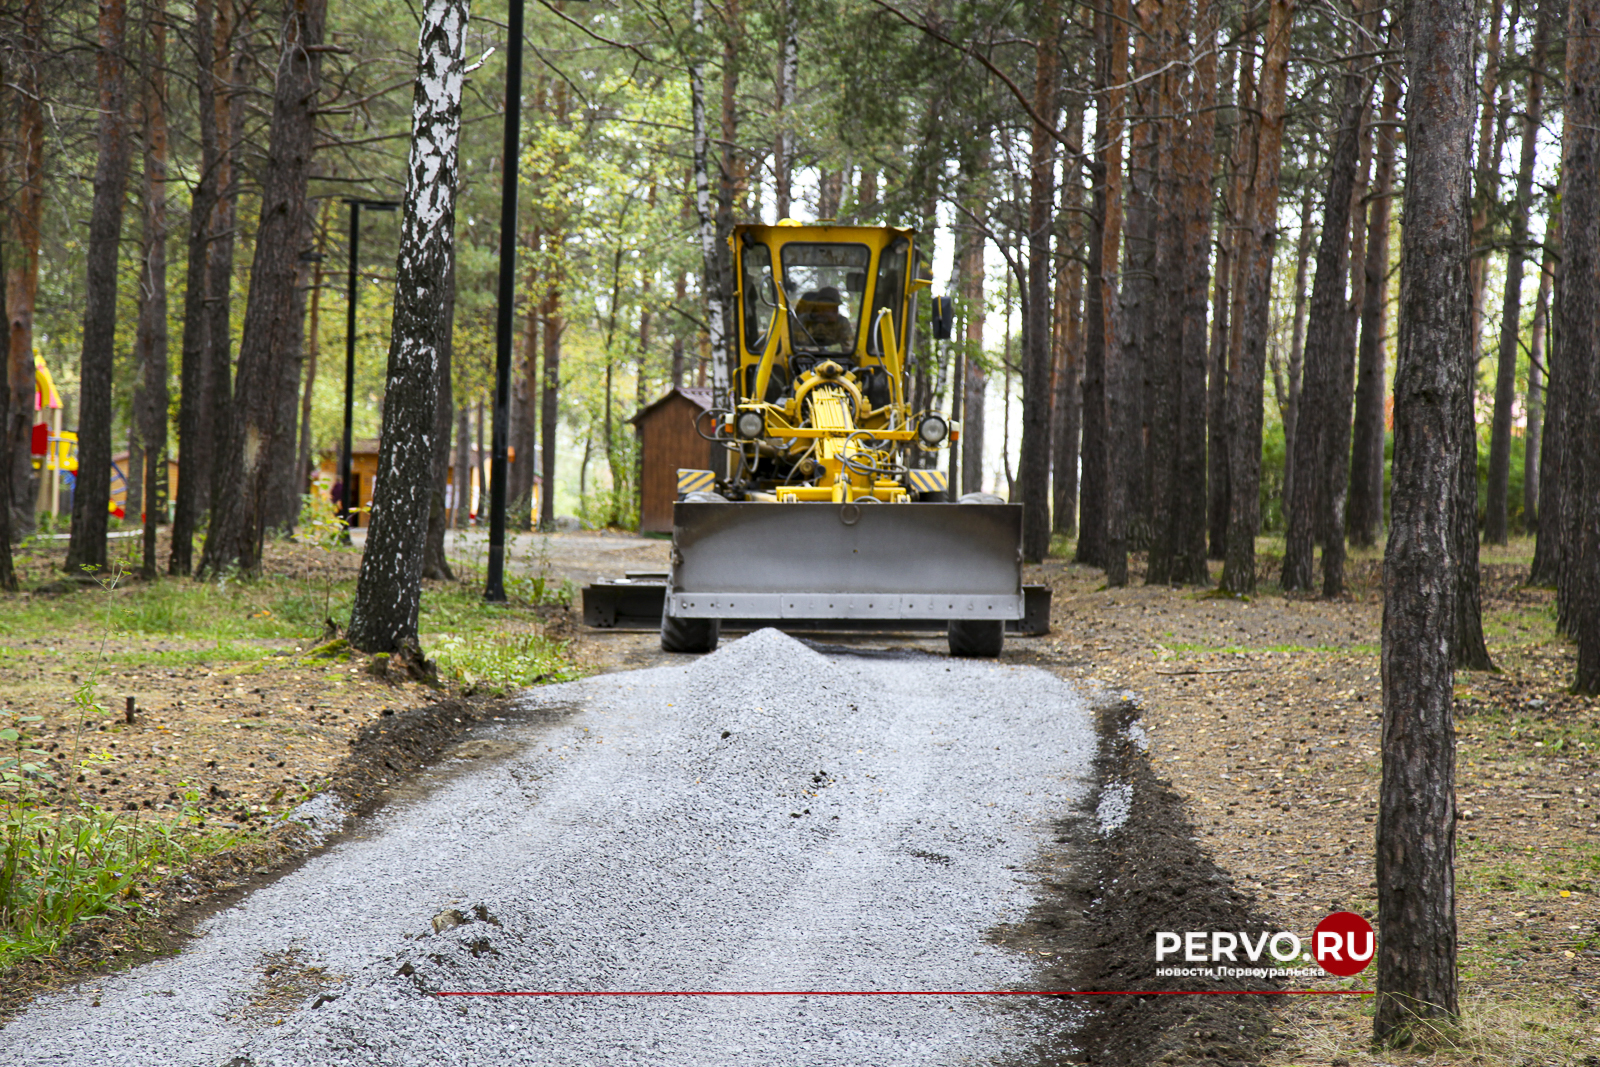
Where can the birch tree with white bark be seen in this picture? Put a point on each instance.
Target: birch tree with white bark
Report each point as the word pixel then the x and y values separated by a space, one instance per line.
pixel 384 618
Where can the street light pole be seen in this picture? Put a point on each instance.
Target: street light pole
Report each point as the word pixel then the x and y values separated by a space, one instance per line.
pixel 494 589
pixel 350 345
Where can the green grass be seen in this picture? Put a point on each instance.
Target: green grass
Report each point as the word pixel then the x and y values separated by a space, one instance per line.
pixel 500 663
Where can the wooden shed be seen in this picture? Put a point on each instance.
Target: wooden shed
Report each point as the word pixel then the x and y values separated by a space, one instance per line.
pixel 667 441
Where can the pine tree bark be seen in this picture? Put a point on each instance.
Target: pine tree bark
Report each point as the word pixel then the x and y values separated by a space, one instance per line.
pixel 1534 440
pixel 195 443
pixel 550 392
pixel 1549 549
pixel 1068 334
pixel 1288 394
pixel 242 476
pixel 1416 805
pixel 525 402
pixel 1120 427
pixel 1034 466
pixel 8 574
pixel 23 192
pixel 86 551
pixel 389 590
pixel 313 349
pixel 974 391
pixel 1221 305
pixel 1093 451
pixel 286 481
pixel 1579 587
pixel 461 476
pixel 152 334
pixel 1366 460
pixel 1316 498
pixel 232 56
pixel 1195 165
pixel 1160 339
pixel 1496 505
pixel 1256 240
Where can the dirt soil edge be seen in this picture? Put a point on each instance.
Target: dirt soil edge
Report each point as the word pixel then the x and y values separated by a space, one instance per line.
pixel 1109 892
pixel 384 753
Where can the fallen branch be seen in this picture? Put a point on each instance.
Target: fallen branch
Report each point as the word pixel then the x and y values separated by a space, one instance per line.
pixel 1211 670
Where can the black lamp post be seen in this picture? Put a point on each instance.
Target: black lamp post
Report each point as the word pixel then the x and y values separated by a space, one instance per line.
pixel 494 589
pixel 350 345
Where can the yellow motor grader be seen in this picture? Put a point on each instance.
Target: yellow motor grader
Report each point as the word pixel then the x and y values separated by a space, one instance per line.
pixel 823 517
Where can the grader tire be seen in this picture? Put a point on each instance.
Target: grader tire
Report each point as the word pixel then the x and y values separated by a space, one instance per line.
pixel 689 635
pixel 979 639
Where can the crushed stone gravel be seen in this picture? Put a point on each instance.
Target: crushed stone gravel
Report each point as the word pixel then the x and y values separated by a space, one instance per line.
pixel 773 816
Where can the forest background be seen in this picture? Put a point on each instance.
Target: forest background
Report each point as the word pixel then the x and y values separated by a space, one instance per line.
pixel 867 112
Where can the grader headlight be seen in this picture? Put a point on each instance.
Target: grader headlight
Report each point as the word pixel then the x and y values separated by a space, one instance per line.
pixel 932 430
pixel 750 424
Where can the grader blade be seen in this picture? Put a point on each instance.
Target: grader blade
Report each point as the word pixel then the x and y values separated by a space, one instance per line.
pixel 829 563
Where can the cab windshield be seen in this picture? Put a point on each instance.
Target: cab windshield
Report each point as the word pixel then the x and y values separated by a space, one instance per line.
pixel 825 284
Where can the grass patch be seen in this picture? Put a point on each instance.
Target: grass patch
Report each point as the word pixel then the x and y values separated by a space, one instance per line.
pixel 500 663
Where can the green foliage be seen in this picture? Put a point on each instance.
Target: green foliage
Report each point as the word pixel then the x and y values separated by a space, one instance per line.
pixel 1272 467
pixel 501 663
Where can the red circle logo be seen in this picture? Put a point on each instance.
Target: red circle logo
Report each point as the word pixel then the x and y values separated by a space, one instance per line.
pixel 1343 944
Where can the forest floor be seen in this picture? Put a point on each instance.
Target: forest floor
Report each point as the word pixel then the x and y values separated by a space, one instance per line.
pixel 1263 716
pixel 1263 719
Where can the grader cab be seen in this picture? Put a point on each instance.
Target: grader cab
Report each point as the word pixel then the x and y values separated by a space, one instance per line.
pixel 828 513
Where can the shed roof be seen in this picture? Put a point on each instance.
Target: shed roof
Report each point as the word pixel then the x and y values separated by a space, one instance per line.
pixel 699 396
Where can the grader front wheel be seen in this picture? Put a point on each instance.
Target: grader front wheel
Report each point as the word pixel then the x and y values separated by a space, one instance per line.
pixel 981 639
pixel 689 635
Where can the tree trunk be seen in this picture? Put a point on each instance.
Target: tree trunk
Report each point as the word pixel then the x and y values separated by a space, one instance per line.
pixel 86 551
pixel 195 443
pixel 1195 165
pixel 462 475
pixel 1416 805
pixel 525 404
pixel 1068 334
pixel 1289 393
pixel 435 565
pixel 1486 179
pixel 709 255
pixel 1034 464
pixel 788 83
pixel 389 590
pixel 1161 338
pixel 1217 362
pixel 1580 298
pixel 1496 506
pixel 1532 441
pixel 239 511
pixel 219 288
pixel 286 481
pixel 1327 355
pixel 550 392
pixel 1366 461
pixel 8 574
pixel 303 463
pixel 23 190
pixel 1120 428
pixel 152 335
pixel 1549 549
pixel 1256 240
pixel 969 260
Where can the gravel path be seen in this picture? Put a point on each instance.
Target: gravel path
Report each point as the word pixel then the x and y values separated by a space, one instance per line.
pixel 769 817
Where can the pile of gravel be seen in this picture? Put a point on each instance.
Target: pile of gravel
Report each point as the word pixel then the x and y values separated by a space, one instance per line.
pixel 767 818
